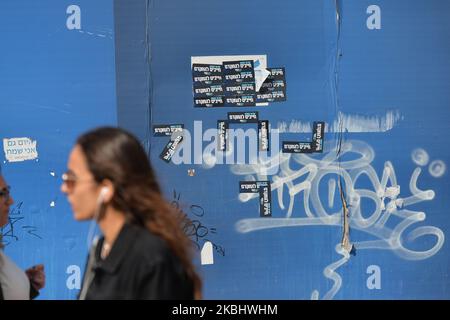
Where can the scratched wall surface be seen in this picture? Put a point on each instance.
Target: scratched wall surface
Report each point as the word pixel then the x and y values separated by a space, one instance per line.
pixel 377 72
pixel 57 79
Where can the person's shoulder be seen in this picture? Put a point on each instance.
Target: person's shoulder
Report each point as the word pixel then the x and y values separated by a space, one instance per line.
pixel 149 244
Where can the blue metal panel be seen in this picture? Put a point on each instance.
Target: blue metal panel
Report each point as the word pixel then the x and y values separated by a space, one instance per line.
pixel 378 76
pixel 56 82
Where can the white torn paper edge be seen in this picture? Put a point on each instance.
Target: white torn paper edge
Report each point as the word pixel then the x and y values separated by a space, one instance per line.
pixel 259 63
pixel 260 76
pixel 207 256
pixel 20 149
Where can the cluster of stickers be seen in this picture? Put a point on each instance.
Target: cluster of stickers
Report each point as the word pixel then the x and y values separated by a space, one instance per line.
pixel 264 191
pixel 316 145
pixel 243 117
pixel 232 83
pixel 175 132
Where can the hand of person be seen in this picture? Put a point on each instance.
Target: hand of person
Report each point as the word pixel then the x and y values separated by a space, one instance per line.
pixel 36 275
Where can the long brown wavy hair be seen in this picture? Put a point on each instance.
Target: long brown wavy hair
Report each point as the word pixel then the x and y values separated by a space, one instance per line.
pixel 115 154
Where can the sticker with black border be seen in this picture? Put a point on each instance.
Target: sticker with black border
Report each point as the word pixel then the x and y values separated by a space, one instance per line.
pixel 234 67
pixel 318 136
pixel 169 150
pixel 208 90
pixel 235 89
pixel 201 80
pixel 222 135
pixel 265 201
pixel 248 187
pixel 238 77
pixel 201 69
pixel 272 85
pixel 240 101
pixel 272 96
pixel 263 135
pixel 163 130
pixel 214 101
pixel 252 186
pixel 243 117
pixel 276 74
pixel 297 147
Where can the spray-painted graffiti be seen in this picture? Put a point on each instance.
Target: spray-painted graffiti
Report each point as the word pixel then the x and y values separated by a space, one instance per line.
pixel 193 227
pixel 11 231
pixel 341 167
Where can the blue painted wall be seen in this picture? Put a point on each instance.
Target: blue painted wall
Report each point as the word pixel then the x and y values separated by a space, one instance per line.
pixel 55 83
pixel 378 76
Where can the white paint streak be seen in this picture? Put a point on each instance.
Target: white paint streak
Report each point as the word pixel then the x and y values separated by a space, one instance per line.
pixel 347 123
pixel 331 191
pixel 303 185
pixel 101 35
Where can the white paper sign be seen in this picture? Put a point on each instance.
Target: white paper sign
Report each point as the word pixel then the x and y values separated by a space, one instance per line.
pixel 20 149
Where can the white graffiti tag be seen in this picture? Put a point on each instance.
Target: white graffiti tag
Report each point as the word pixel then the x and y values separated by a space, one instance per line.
pixel 347 166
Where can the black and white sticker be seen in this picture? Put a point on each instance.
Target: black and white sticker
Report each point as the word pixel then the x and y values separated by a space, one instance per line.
pixel 240 101
pixel 214 101
pixel 162 130
pixel 238 77
pixel 272 85
pixel 251 186
pixel 222 135
pixel 200 80
pixel 297 147
pixel 200 69
pixel 208 90
pixel 170 148
pixel 235 89
pixel 265 201
pixel 248 187
pixel 263 135
pixel 318 136
pixel 234 67
pixel 243 117
pixel 276 74
pixel 271 96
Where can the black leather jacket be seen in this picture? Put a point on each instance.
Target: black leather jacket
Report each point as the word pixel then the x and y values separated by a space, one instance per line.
pixel 139 266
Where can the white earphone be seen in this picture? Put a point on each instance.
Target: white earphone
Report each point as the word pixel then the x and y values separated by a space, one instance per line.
pixel 103 193
pixel 101 197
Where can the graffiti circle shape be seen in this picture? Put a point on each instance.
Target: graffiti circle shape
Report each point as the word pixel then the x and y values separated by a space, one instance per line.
pixel 437 168
pixel 420 157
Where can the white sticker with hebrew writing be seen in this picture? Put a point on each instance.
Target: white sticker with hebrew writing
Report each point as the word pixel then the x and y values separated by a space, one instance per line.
pixel 20 149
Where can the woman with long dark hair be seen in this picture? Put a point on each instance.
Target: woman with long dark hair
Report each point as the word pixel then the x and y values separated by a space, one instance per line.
pixel 143 252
